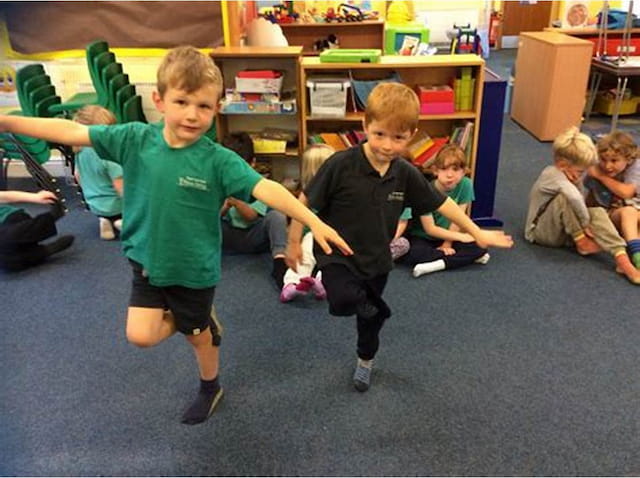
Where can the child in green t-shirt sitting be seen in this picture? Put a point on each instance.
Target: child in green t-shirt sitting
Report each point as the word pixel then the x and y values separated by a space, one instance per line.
pixel 252 227
pixel 100 180
pixel 435 242
pixel 21 234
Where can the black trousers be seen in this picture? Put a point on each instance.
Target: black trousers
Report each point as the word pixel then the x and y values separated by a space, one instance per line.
pixel 425 250
pixel 20 236
pixel 349 295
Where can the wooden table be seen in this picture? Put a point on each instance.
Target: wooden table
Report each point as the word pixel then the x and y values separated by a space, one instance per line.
pixel 622 71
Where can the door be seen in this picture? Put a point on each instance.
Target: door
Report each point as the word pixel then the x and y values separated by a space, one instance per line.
pixel 525 17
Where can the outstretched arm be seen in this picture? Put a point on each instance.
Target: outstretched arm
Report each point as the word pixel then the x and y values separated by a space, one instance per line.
pixel 275 195
pixel 484 239
pixel 41 197
pixel 55 130
pixel 619 188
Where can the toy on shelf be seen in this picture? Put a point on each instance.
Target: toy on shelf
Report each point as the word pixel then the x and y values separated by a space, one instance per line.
pixel 329 43
pixel 281 13
pixel 400 13
pixel 464 39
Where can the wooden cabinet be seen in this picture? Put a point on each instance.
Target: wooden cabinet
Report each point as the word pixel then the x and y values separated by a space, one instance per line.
pixel 549 91
pixel 367 34
pixel 231 60
pixel 413 71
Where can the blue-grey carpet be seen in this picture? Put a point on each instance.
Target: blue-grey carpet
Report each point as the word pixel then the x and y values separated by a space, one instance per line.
pixel 525 366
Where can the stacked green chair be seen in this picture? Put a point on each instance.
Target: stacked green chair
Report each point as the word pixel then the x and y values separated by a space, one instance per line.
pixel 23 75
pixel 122 95
pixel 132 110
pixel 115 83
pixel 95 69
pixel 33 76
pixel 107 73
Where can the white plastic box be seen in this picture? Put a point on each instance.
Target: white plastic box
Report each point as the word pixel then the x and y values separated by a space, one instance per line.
pixel 328 96
pixel 259 85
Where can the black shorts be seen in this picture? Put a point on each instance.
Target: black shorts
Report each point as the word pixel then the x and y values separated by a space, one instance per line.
pixel 191 308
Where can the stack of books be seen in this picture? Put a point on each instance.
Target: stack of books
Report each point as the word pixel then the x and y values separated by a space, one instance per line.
pixel 424 149
pixel 338 141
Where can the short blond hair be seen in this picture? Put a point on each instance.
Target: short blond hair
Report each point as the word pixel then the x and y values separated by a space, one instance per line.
pixel 576 148
pixel 94 114
pixel 187 68
pixel 618 143
pixel 395 105
pixel 313 157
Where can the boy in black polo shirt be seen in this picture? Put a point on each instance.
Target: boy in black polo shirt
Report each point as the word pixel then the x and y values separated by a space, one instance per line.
pixel 361 192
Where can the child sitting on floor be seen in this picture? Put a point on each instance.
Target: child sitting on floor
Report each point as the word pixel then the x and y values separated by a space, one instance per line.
pixel 435 243
pixel 614 183
pixel 21 234
pixel 100 180
pixel 558 215
pixel 250 228
pixel 300 282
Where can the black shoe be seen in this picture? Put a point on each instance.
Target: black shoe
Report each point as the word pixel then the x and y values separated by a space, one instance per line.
pixel 57 210
pixel 279 270
pixel 59 245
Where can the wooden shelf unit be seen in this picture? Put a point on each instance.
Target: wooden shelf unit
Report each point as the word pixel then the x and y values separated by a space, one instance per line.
pixel 414 71
pixel 231 60
pixel 552 71
pixel 367 34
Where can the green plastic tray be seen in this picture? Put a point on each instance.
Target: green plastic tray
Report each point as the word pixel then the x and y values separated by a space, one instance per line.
pixel 347 55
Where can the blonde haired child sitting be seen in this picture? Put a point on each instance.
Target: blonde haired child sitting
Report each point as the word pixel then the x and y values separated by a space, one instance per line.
pixel 558 215
pixel 299 283
pixel 614 183
pixel 100 180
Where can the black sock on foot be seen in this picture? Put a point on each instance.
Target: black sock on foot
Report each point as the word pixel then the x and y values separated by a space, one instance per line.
pixel 60 244
pixel 279 270
pixel 205 403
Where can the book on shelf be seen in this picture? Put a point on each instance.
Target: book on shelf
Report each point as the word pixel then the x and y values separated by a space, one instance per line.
pixel 419 145
pixel 425 159
pixel 338 141
pixel 334 140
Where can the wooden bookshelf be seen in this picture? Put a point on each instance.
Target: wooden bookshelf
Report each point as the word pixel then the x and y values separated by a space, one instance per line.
pixel 367 34
pixel 413 71
pixel 231 60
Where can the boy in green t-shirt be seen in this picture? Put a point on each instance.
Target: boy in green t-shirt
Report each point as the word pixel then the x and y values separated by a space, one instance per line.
pixel 175 182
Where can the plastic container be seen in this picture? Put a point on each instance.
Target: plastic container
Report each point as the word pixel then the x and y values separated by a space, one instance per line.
pixel 328 96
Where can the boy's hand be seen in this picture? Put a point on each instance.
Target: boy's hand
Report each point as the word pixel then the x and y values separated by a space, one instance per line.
pixel 293 255
pixel 44 197
pixel 486 239
pixel 324 235
pixel 448 251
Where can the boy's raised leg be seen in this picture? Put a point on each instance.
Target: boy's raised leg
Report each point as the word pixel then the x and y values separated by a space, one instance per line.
pixel 147 326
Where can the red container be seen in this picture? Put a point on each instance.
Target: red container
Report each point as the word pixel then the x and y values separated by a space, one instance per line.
pixel 435 94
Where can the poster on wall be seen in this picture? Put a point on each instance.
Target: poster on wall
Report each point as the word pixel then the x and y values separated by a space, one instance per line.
pixel 8 93
pixel 574 14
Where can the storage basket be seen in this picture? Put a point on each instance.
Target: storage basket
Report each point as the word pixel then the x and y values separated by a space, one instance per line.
pixel 328 96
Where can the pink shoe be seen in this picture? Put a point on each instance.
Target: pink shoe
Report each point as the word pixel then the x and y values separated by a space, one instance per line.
pixel 316 287
pixel 290 292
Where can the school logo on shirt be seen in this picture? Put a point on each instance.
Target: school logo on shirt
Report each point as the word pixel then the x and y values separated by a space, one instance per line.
pixel 396 196
pixel 194 183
